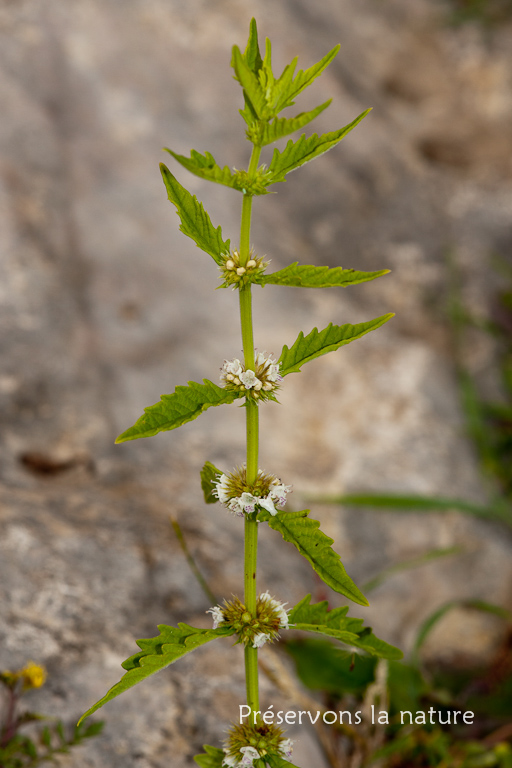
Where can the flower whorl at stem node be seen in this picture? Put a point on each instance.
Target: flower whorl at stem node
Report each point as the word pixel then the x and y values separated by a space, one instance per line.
pixel 257 630
pixel 247 743
pixel 259 384
pixel 267 492
pixel 238 275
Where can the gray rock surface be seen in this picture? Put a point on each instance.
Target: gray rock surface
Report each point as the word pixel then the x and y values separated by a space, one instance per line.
pixel 104 305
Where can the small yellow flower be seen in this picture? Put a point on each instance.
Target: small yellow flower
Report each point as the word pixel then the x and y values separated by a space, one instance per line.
pixel 33 675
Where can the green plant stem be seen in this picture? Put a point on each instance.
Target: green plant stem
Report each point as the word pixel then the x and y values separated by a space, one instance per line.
pixel 252 424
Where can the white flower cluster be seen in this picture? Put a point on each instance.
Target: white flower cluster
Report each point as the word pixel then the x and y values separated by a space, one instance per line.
pixel 279 608
pixel 246 502
pixel 264 378
pixel 250 754
pixel 269 612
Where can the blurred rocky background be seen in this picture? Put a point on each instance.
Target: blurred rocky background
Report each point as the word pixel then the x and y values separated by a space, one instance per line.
pixel 105 305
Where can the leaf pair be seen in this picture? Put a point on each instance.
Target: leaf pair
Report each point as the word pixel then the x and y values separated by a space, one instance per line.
pixel 188 402
pixel 172 643
pixel 295 154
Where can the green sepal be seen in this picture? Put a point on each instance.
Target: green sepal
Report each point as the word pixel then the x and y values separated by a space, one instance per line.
pixel 208 474
pixel 172 411
pixel 158 653
pixel 309 276
pixel 315 546
pixel 195 222
pixel 205 167
pixel 213 757
pixel 263 132
pixel 276 761
pixel 303 150
pixel 318 343
pixel 318 618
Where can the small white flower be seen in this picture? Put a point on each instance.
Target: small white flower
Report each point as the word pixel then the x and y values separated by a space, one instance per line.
pixel 235 505
pixel 268 504
pixel 273 373
pixel 260 639
pixel 230 760
pixel 278 493
pixel 248 379
pixel 248 502
pixel 221 489
pixel 278 607
pixel 217 615
pixel 233 366
pixel 286 748
pixel 250 754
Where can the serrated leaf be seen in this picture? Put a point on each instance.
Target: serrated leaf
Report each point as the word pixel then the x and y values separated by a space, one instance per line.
pixel 304 78
pixel 318 618
pixel 315 546
pixel 205 167
pixel 264 133
pixel 318 343
pixel 253 92
pixel 158 653
pixel 252 54
pixel 212 758
pixel 275 90
pixel 305 149
pixel 185 404
pixel 310 276
pixel 195 222
pixel 208 474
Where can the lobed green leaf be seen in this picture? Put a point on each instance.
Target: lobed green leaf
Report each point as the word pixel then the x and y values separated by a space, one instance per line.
pixel 263 133
pixel 305 149
pixel 304 78
pixel 252 54
pixel 256 102
pixel 318 618
pixel 310 276
pixel 195 222
pixel 209 473
pixel 158 653
pixel 318 343
pixel 213 757
pixel 205 167
pixel 264 95
pixel 172 411
pixel 305 534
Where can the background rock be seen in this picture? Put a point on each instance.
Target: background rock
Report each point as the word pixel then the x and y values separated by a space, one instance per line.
pixel 104 305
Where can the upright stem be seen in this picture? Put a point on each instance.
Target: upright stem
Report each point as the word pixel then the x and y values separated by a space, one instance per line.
pixel 252 425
